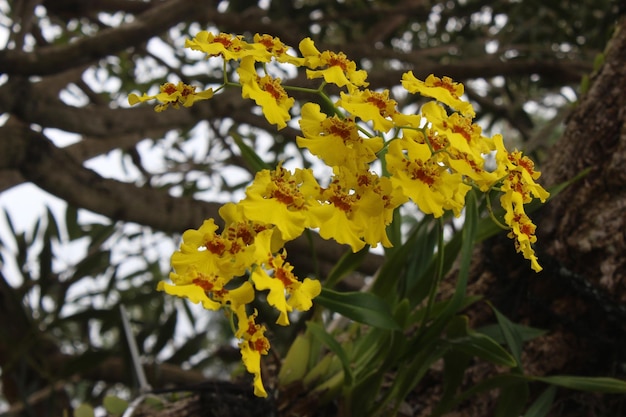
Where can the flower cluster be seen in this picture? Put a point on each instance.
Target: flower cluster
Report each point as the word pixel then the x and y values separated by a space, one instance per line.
pixel 432 158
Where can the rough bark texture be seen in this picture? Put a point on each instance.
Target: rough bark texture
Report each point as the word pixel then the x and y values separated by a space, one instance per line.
pixel 580 297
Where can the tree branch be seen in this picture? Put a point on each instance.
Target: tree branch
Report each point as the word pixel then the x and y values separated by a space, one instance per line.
pixel 55 171
pixel 57 58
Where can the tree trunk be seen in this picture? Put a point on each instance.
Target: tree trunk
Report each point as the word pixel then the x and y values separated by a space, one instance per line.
pixel 580 296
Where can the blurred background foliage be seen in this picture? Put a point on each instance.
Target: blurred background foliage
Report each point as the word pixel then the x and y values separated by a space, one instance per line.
pixel 67 68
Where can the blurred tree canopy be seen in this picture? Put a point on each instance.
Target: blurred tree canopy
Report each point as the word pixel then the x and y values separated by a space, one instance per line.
pixel 537 71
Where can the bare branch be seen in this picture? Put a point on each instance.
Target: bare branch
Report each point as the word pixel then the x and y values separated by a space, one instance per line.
pixel 57 58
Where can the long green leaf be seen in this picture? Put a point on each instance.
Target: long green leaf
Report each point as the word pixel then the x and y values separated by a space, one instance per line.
pixel 362 307
pixel 321 334
pixel 526 333
pixel 581 383
pixel 346 264
pixel 542 405
pixel 484 347
pixel 512 400
pixel 249 155
pixel 470 227
pixel 513 338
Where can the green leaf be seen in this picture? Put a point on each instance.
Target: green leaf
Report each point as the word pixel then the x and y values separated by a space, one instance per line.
pixel 84 410
pixel 321 334
pixel 426 241
pixel 393 268
pixel 346 264
pixel 92 265
pixel 165 333
pixel 192 346
pixel 484 347
pixel 513 338
pixel 74 230
pixel 114 405
pixel 249 155
pixel 52 231
pixel 463 339
pixel 526 333
pixel 470 227
pixel 512 400
pixel 581 383
pixel 362 307
pixel 542 405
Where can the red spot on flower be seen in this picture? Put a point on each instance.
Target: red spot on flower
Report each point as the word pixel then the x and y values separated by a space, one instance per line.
pixel 169 88
pixel 216 246
pixel 446 83
pixel 204 284
pixel 260 345
pixel 284 276
pixel 282 196
pixel 341 128
pixel 187 90
pixel 342 202
pixel 274 91
pixel 423 175
pixel 463 131
pixel 364 180
pixel 224 40
pixel 252 327
pixel 220 294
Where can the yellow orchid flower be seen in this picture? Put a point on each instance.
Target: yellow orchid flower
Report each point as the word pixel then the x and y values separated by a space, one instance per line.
pixel 286 292
pixel 266 92
pixel 338 69
pixel 229 47
pixel 370 106
pixel 441 89
pixel 253 344
pixel 284 199
pixel 174 95
pixel 336 141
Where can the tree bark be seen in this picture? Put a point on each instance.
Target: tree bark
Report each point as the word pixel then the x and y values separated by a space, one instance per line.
pixel 580 296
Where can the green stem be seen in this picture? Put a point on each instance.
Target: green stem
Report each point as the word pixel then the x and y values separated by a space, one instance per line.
pixel 438 274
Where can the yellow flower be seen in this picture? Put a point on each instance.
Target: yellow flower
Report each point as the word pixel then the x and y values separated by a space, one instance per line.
pixel 362 206
pixel 228 46
pixel 370 106
pixel 265 237
pixel 208 290
pixel 286 200
pixel 173 94
pixel 519 171
pixel 253 344
pixel 267 92
pixel 278 50
pixel 338 69
pixel 429 184
pixel 460 133
pixel 336 141
pixel 211 253
pixel 441 89
pixel 522 229
pixel 286 292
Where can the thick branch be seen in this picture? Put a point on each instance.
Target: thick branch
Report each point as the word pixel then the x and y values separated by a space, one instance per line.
pixel 55 171
pixel 57 58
